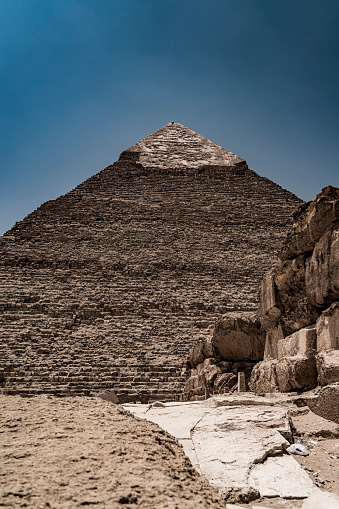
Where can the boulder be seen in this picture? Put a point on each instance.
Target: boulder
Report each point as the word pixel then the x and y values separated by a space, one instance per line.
pixel 310 220
pixel 108 395
pixel 202 350
pixel 239 337
pixel 322 269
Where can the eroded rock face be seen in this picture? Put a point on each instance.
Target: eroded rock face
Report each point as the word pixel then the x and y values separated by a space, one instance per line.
pixel 310 221
pixel 322 269
pixel 302 335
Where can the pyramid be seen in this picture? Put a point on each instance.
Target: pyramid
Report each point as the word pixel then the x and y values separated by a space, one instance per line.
pixel 109 285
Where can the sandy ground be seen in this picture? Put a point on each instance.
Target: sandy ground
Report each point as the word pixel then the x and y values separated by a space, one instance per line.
pixel 76 452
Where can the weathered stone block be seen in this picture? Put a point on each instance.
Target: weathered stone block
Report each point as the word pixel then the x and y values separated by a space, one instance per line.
pixel 273 336
pixel 225 382
pixel 264 378
pixel 303 342
pixel 196 355
pixel 296 373
pixel 328 367
pixel 328 329
pixel 203 365
pixel 268 310
pixel 239 337
pixel 322 269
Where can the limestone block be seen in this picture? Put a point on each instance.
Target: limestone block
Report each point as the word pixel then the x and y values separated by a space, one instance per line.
pixel 303 342
pixel 241 382
pixel 281 476
pixel 308 423
pixel 207 349
pixel 264 378
pixel 320 499
pixel 191 384
pixel 268 310
pixel 273 336
pixel 322 269
pixel 328 329
pixel 310 221
pixel 295 373
pixel 205 364
pixel 328 367
pixel 239 337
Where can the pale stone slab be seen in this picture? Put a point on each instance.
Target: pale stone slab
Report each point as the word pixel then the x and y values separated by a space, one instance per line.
pixel 302 342
pixel 282 477
pixel 178 419
pixel 321 500
pixel 229 440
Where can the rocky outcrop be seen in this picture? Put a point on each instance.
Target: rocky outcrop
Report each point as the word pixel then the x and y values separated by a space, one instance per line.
pixel 298 303
pixel 110 285
pixel 213 364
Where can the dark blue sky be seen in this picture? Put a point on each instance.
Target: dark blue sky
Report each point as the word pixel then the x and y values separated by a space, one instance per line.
pixel 82 80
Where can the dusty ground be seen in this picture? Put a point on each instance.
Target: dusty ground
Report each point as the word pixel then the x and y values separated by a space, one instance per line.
pixel 75 452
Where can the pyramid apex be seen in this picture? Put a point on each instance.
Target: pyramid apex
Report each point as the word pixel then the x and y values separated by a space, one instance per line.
pixel 176 146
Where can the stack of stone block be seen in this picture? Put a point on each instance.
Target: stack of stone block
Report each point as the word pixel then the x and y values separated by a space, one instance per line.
pixel 298 304
pixel 108 286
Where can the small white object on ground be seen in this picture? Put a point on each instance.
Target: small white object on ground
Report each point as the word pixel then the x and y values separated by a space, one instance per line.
pixel 299 449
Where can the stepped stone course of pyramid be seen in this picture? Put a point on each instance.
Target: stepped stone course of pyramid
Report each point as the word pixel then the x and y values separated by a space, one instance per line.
pixel 110 285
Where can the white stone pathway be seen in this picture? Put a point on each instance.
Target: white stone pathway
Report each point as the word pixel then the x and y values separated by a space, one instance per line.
pixel 235 441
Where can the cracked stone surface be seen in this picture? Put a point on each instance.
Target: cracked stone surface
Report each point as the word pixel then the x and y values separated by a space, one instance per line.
pixel 235 442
